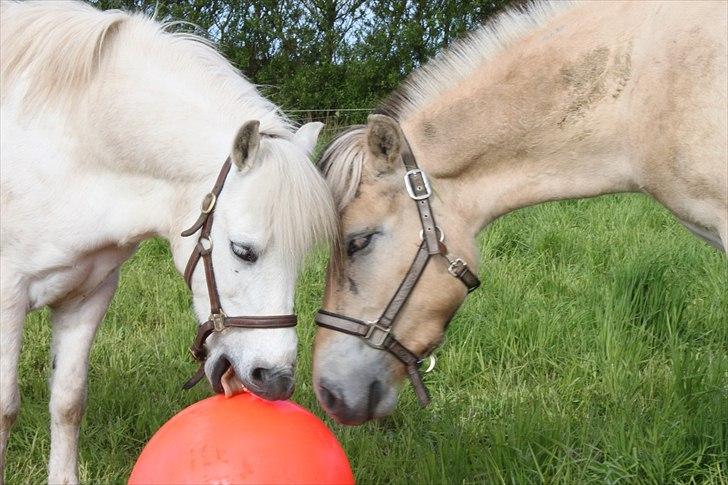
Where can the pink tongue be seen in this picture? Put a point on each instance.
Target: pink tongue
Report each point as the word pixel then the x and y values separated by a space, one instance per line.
pixel 231 384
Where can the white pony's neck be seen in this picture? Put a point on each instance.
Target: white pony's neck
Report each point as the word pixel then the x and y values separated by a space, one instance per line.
pixel 173 111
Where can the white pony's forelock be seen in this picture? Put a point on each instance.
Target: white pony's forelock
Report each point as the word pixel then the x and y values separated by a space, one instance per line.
pixel 300 201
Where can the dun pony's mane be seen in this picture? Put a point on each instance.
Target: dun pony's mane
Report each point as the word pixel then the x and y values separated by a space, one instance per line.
pixel 54 51
pixel 453 65
pixel 342 160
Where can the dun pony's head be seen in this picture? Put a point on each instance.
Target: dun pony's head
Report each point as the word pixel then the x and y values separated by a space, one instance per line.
pixel 380 234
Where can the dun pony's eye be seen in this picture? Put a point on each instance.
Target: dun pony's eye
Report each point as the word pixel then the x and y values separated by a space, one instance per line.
pixel 358 243
pixel 244 252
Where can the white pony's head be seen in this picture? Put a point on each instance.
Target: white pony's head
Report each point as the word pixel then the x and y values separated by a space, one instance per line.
pixel 273 207
pixel 150 116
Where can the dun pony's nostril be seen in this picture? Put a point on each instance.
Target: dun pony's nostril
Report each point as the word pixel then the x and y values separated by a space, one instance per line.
pixel 329 399
pixel 333 400
pixel 375 395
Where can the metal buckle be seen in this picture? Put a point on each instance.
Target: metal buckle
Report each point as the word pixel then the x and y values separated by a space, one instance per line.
pixel 425 185
pixel 208 203
pixel 376 340
pixel 455 264
pixel 218 321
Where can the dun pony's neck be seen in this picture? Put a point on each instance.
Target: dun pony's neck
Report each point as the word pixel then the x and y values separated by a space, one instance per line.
pixel 535 123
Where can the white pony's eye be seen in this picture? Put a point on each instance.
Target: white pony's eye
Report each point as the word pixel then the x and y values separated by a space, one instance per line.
pixel 244 252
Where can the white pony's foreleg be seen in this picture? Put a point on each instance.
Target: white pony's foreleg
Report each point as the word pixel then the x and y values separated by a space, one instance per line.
pixel 12 318
pixel 74 328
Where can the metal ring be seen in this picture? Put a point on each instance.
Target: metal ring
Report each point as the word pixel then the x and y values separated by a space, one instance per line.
pixel 437 229
pixel 431 365
pixel 206 247
pixel 218 321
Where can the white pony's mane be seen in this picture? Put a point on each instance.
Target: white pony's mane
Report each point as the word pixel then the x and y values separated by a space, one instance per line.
pixel 55 51
pixel 341 162
pixel 57 48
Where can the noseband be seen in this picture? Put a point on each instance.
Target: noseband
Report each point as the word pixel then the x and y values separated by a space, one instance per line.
pixel 218 320
pixel 378 333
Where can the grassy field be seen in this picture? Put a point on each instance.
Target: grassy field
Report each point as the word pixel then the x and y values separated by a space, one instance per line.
pixel 596 351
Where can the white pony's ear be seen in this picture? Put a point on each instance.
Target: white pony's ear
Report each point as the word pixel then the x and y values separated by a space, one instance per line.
pixel 307 135
pixel 385 141
pixel 246 144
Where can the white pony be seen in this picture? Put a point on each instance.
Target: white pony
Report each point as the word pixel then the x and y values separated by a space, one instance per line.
pixel 112 132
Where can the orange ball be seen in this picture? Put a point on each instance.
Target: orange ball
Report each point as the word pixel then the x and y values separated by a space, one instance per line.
pixel 243 439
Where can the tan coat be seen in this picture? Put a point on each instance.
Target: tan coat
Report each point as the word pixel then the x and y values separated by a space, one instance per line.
pixel 569 101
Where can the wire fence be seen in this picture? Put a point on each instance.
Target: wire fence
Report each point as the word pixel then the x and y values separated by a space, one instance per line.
pixel 333 118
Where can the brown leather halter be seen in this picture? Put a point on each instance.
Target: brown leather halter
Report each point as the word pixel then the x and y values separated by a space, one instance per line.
pixel 378 333
pixel 218 321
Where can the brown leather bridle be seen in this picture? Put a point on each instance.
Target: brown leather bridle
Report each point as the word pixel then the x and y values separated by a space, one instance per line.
pixel 218 320
pixel 378 333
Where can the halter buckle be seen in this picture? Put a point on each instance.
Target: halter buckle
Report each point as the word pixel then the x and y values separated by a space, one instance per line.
pixel 208 203
pixel 376 335
pixel 456 267
pixel 414 192
pixel 218 321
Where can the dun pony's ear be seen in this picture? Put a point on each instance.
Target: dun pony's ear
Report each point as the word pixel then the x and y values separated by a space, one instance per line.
pixel 245 146
pixel 385 141
pixel 307 135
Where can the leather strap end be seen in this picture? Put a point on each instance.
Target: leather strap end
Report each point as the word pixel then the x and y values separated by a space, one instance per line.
pixel 471 281
pixel 196 226
pixel 197 377
pixel 420 390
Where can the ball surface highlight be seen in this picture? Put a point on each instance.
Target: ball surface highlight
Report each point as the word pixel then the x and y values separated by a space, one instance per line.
pixel 242 439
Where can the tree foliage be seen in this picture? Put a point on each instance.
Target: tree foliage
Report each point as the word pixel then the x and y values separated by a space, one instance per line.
pixel 324 55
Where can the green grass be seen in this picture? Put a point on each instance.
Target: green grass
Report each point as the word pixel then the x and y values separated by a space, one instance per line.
pixel 596 351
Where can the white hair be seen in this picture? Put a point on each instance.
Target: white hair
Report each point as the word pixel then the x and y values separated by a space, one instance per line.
pixel 56 50
pixel 58 47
